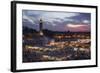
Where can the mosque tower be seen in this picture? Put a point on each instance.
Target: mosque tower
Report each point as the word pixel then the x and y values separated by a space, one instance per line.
pixel 41 27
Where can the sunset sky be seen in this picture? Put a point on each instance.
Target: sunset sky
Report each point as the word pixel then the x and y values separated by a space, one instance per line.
pixel 57 21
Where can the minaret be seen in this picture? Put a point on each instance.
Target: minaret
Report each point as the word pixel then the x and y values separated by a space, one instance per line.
pixel 41 27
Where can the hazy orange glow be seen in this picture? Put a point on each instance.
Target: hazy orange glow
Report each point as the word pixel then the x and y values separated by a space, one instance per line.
pixel 75 26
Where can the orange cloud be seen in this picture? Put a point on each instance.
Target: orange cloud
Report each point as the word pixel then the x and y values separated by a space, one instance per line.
pixel 75 25
pixel 78 27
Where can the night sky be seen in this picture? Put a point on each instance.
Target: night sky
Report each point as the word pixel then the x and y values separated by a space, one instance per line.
pixel 57 21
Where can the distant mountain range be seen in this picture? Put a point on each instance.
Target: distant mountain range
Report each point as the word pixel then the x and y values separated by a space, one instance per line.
pixel 49 32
